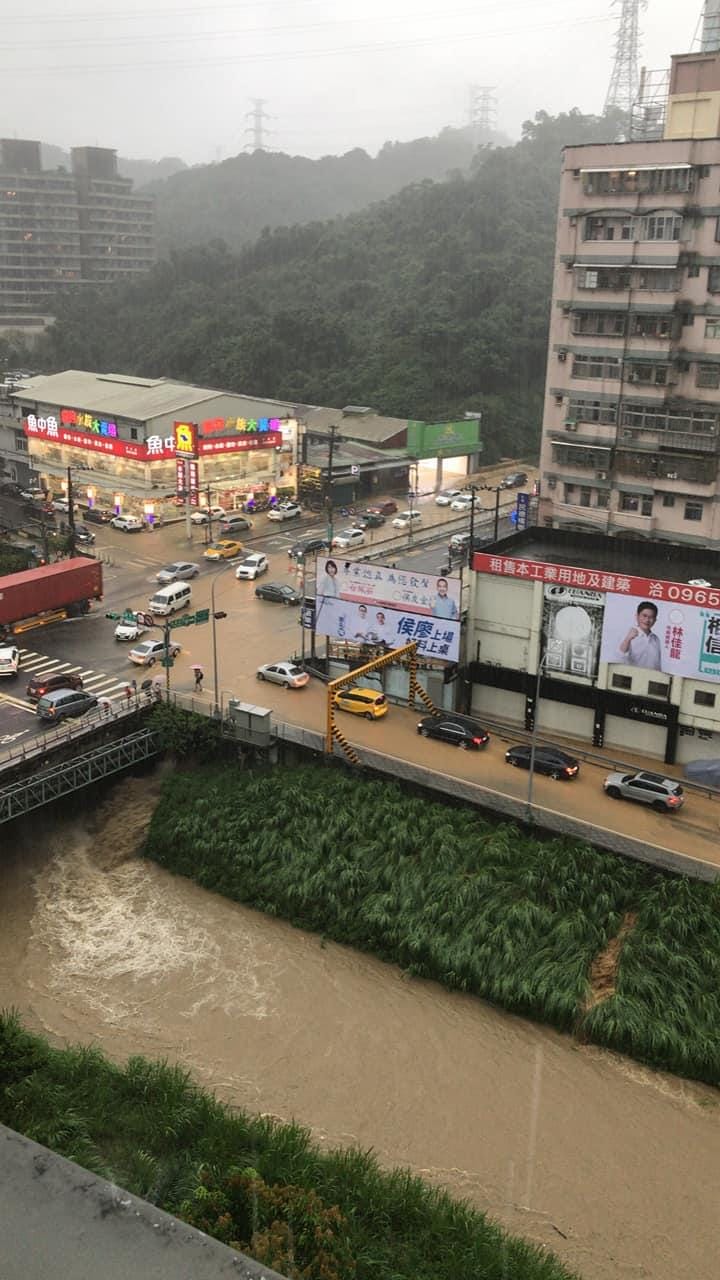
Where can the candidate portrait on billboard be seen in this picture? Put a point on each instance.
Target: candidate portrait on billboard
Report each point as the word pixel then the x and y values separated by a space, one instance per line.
pixel 362 603
pixel 675 638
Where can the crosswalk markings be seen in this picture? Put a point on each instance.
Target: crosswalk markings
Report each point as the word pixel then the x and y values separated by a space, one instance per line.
pixel 38 664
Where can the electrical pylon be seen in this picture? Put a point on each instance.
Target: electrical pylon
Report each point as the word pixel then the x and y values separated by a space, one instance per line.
pixel 257 118
pixel 625 79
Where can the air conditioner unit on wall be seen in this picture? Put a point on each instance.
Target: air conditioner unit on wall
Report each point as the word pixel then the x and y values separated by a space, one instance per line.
pixel 571 426
pixel 601 475
pixel 562 355
pixel 552 484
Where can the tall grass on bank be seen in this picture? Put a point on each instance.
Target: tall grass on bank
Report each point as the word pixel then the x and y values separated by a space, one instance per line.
pixel 448 894
pixel 257 1184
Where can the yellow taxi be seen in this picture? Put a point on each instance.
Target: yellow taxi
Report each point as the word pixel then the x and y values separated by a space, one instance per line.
pixel 223 550
pixel 361 701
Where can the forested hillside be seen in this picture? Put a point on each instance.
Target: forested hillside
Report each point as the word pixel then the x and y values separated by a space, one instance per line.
pixel 431 303
pixel 235 200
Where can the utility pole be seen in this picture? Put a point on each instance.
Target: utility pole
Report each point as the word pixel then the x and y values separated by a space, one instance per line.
pixel 497 513
pixel 329 490
pixel 71 512
pixel 471 548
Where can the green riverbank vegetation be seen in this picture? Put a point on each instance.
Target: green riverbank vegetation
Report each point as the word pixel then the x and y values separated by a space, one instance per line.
pixel 604 948
pixel 255 1184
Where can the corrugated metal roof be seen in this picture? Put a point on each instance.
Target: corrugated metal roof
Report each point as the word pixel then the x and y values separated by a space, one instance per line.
pixel 362 426
pixel 138 398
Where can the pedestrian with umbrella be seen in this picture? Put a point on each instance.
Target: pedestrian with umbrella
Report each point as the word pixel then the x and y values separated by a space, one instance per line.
pixel 199 676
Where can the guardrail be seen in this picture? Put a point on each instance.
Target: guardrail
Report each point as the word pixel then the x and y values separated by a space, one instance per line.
pixel 72 731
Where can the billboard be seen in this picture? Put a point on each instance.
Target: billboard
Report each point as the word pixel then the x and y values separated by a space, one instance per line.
pixel 650 623
pixel 443 439
pixel 675 638
pixel 572 624
pixel 103 438
pixel 365 603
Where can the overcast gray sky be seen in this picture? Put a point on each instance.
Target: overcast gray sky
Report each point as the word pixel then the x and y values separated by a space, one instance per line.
pixel 173 77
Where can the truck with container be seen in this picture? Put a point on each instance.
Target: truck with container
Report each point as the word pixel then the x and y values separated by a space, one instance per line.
pixel 50 593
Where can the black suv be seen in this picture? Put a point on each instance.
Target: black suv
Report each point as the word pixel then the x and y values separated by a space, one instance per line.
pixel 308 547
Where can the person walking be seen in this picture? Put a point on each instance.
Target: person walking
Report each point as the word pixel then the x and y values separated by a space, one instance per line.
pixel 199 674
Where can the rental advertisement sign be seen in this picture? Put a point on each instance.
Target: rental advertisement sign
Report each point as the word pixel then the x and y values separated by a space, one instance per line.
pixel 365 603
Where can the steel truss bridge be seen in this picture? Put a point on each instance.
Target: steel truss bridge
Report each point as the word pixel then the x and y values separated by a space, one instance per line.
pixel 18 798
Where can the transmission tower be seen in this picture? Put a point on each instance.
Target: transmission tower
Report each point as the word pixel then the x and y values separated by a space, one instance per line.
pixel 482 109
pixel 625 79
pixel 257 118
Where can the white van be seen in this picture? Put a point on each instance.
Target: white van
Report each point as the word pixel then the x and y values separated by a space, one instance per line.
pixel 169 599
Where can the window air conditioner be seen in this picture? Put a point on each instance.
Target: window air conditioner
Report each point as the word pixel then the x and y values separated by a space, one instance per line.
pixel 601 475
pixel 559 399
pixel 571 426
pixel 671 475
pixel 566 311
pixel 562 355
pixel 552 484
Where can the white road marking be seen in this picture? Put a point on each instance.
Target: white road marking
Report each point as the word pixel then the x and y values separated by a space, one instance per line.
pixel 100 682
pixel 41 664
pixel 15 702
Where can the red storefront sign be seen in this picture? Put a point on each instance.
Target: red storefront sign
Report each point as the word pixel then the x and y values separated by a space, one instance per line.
pixel 154 449
pixel 594 580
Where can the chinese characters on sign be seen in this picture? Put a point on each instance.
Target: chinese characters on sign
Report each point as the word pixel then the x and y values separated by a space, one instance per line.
pixel 596 580
pixel 155 448
pixel 677 639
pixel 367 603
pixel 248 425
pixel 185 439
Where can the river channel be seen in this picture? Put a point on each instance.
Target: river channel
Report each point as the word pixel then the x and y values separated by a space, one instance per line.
pixel 614 1168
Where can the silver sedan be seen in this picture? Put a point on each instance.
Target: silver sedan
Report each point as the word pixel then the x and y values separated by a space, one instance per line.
pixel 180 571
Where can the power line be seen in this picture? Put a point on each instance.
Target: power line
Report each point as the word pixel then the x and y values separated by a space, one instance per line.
pixel 293 55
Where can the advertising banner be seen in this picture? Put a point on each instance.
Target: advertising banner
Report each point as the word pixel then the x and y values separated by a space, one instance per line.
pixel 596 580
pixel 154 449
pixel 365 603
pixel 676 638
pixel 443 439
pixel 572 624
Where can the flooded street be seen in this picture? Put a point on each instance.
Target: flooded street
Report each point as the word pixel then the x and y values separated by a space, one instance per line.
pixel 614 1168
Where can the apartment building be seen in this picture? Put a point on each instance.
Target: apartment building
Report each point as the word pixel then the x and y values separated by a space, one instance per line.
pixel 61 230
pixel 631 429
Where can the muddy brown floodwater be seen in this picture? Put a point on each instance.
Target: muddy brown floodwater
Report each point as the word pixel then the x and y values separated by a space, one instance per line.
pixel 615 1168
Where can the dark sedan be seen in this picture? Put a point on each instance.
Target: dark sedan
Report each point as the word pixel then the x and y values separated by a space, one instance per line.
pixel 84 535
pixel 369 520
pixel 548 760
pixel 39 685
pixel 308 547
pixel 459 731
pixel 96 516
pixel 278 593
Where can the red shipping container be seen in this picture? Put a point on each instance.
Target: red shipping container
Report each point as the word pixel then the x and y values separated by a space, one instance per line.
pixel 52 587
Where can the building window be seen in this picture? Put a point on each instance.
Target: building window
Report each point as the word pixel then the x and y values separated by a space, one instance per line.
pixel 133 433
pixel 622 682
pixel 668 499
pixel 595 367
pixel 703 699
pixel 602 499
pixel 651 326
pixel 609 323
pixel 713 280
pixel 585 497
pixel 580 410
pixel 569 493
pixel 658 688
pixel 637 503
pixel 654 375
pixel 693 271
pixel 693 511
pixel 712 328
pixel 21 444
pixel 708 375
pixel 660 226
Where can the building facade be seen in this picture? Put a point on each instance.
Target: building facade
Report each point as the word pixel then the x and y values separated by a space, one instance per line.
pixel 555 638
pixel 631 428
pixel 63 230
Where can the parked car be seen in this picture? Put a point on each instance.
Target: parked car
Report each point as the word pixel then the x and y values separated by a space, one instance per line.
pixel 287 674
pixel 551 761
pixel 64 703
pixel 369 520
pixel 278 593
pixel 235 522
pixel 39 685
pixel 149 652
pixel 130 524
pixel 285 511
pixel 96 516
pixel 224 550
pixel 9 660
pixel 252 566
pixel 308 547
pixel 386 508
pixel 664 794
pixel 514 480
pixel 204 514
pixel 84 535
pixel 130 628
pixel 406 519
pixel 178 571
pixel 447 496
pixel 361 701
pixel 459 731
pixel 463 502
pixel 348 538
pixel 61 504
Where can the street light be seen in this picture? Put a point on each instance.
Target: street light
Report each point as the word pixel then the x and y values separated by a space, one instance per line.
pixel 225 569
pixel 471 547
pixel 533 736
